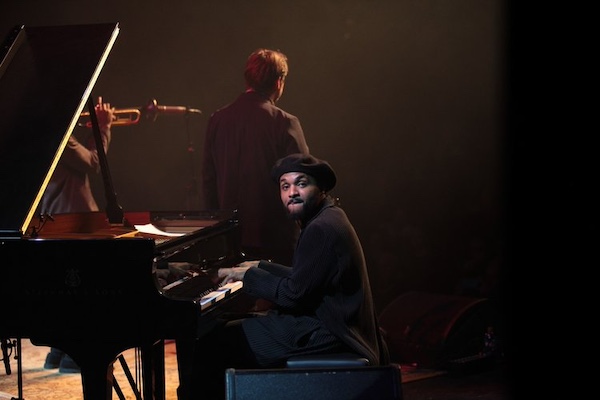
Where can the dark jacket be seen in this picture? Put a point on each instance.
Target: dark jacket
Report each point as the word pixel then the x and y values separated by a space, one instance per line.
pixel 243 141
pixel 326 290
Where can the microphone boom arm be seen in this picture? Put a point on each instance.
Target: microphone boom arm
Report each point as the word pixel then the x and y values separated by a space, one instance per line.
pixel 152 110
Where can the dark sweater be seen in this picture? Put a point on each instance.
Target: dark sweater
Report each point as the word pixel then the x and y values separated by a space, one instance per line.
pixel 325 293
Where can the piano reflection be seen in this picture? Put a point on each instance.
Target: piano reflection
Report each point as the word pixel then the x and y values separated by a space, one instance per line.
pixel 91 284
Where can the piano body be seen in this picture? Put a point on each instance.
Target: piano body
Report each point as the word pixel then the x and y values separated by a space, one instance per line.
pixel 94 291
pixel 82 282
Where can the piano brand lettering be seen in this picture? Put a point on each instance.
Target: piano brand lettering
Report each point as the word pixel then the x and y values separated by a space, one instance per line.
pixel 51 292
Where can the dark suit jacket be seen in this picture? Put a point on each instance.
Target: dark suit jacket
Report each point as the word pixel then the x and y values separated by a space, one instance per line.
pixel 326 290
pixel 243 141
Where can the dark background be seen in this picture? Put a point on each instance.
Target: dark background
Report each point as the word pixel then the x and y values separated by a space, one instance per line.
pixel 406 99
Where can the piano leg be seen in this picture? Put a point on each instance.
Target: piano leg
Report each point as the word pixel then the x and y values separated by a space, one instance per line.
pixel 96 362
pixel 153 370
pixel 185 361
pixel 96 379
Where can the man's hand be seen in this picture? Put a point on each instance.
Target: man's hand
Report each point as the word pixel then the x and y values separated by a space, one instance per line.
pixel 105 114
pixel 234 274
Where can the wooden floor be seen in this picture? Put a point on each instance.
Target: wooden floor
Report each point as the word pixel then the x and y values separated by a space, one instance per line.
pixel 489 383
pixel 43 384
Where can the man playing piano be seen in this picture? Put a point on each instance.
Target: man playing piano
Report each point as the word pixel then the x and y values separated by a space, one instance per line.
pixel 323 300
pixel 69 191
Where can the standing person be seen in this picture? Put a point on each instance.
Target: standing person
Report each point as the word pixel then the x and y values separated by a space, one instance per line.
pixel 69 191
pixel 243 140
pixel 324 300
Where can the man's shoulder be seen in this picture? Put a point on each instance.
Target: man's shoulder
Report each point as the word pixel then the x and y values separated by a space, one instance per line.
pixel 225 108
pixel 286 114
pixel 330 216
pixel 246 105
pixel 243 102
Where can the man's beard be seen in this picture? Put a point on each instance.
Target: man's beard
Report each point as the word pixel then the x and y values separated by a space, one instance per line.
pixel 305 212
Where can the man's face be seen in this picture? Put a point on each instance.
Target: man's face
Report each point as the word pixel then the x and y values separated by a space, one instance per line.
pixel 300 194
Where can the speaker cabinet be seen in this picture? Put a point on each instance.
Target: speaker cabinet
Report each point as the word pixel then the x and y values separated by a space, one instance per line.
pixel 354 383
pixel 432 329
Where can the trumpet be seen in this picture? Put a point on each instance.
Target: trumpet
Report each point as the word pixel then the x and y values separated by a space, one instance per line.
pixel 130 116
pixel 126 116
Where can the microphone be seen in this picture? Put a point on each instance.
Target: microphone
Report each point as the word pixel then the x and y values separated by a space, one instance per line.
pixel 153 109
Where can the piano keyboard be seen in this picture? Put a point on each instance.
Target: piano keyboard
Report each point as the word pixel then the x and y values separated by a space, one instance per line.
pixel 201 289
pixel 219 294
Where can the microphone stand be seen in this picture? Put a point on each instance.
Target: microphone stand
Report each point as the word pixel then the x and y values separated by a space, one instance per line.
pixel 192 186
pixel 151 111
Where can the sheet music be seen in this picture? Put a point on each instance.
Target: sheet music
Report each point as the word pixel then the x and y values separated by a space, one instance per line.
pixel 153 230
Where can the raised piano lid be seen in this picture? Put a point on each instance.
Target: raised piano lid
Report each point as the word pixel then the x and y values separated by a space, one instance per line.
pixel 46 77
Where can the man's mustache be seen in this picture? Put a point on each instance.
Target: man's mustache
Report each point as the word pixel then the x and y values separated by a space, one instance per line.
pixel 295 200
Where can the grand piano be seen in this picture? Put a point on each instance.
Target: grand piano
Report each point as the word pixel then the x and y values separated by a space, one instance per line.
pixel 91 284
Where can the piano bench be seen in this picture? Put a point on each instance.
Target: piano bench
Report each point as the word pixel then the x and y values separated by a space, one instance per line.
pixel 340 383
pixel 336 360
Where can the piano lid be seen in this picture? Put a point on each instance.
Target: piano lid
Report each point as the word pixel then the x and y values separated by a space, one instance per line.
pixel 46 77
